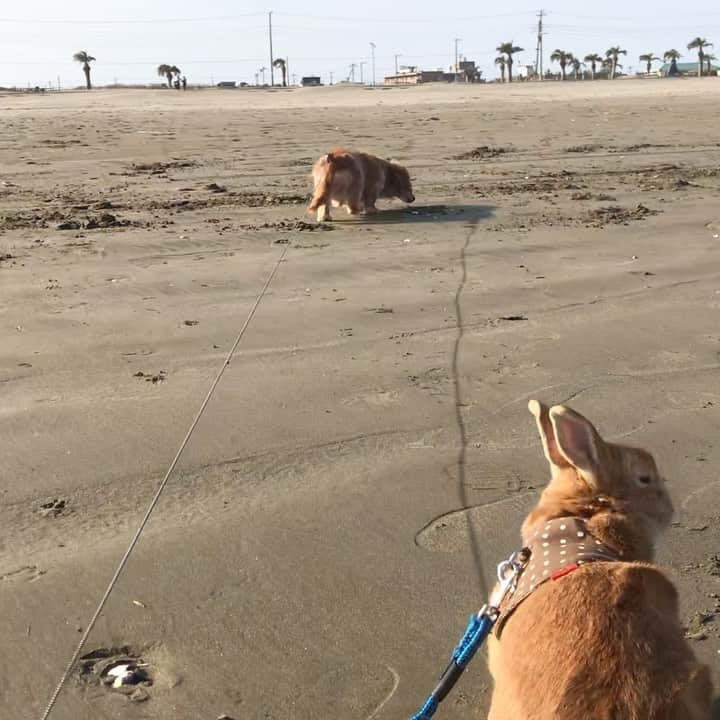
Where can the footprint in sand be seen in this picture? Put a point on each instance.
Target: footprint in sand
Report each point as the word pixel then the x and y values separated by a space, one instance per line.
pixel 701 502
pixel 496 525
pixel 27 573
pixel 379 398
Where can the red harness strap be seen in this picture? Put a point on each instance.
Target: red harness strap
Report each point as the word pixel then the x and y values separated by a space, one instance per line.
pixel 564 571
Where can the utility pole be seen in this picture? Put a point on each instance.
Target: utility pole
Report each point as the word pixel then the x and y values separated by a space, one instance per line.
pixel 351 77
pixel 272 57
pixel 539 50
pixel 262 72
pixel 457 41
pixel 294 79
pixel 396 62
pixel 362 64
pixel 372 49
pixel 287 69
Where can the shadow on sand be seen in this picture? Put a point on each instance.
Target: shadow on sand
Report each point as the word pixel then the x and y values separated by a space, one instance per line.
pixel 421 214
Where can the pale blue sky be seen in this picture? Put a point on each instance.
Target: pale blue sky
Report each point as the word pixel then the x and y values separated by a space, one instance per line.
pixel 224 40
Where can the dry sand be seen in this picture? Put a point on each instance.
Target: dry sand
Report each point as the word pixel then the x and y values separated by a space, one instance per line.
pixel 312 559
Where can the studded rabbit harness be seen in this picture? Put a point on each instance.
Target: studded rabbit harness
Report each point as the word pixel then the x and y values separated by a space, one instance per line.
pixel 556 549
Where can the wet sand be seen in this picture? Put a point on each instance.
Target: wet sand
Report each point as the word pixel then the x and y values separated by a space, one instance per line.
pixel 312 557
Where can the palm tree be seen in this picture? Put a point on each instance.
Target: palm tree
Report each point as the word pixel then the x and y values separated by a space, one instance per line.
pixel 607 65
pixel 593 59
pixel 648 58
pixel 699 44
pixel 577 66
pixel 85 59
pixel 500 62
pixel 612 55
pixel 709 60
pixel 167 71
pixel 280 63
pixel 672 56
pixel 562 57
pixel 508 49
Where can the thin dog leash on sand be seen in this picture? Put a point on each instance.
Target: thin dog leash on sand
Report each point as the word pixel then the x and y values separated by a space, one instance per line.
pixel 161 487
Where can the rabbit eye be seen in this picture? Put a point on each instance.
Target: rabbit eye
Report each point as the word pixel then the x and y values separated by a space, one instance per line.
pixel 644 480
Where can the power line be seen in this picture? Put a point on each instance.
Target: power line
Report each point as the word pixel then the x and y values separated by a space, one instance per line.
pixel 409 19
pixel 647 22
pixel 623 29
pixel 225 18
pixel 148 21
pixel 642 16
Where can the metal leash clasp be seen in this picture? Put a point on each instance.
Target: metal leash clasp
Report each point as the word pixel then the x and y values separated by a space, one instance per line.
pixel 508 572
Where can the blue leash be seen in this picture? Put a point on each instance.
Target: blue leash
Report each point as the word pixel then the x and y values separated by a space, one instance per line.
pixel 475 633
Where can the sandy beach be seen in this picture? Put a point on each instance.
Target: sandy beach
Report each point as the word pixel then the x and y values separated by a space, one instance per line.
pixel 368 457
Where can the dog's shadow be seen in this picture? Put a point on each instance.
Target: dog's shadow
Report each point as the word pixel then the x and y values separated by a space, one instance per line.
pixel 425 214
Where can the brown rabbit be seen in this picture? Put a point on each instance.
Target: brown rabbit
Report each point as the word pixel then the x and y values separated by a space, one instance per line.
pixel 601 638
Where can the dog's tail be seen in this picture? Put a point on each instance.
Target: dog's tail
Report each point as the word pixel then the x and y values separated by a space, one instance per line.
pixel 321 196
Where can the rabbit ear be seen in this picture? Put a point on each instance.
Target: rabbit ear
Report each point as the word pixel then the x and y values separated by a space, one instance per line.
pixel 577 441
pixel 547 435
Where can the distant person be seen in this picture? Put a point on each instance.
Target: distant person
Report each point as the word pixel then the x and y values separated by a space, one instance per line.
pixel 184 82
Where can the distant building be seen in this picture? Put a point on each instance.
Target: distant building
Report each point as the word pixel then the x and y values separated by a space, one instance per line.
pixel 685 69
pixel 525 72
pixel 311 81
pixel 413 76
pixel 466 71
